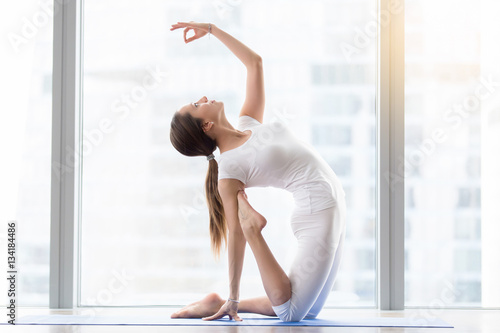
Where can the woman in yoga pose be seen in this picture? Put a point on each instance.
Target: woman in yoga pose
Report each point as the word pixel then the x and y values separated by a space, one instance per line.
pixel 258 154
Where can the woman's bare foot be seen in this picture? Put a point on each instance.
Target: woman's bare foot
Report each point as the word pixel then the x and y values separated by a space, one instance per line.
pixel 251 221
pixel 206 307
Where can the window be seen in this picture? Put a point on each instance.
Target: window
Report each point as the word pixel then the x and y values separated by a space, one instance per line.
pixel 143 206
pixel 25 141
pixel 452 146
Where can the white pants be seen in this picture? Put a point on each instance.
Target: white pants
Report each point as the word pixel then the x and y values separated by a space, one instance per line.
pixel 320 239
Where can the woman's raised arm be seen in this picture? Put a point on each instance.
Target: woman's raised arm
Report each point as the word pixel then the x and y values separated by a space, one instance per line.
pixel 255 95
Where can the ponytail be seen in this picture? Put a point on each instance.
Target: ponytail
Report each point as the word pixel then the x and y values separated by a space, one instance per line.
pixel 218 224
pixel 187 136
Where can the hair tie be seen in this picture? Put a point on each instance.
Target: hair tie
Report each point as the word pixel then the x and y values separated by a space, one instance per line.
pixel 210 157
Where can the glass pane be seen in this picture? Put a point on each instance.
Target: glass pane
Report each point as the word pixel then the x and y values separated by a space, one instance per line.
pixel 25 144
pixel 143 206
pixel 452 145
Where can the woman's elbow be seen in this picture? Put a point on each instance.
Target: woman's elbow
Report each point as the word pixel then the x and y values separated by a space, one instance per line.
pixel 258 60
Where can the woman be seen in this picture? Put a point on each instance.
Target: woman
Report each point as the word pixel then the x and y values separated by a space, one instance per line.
pixel 257 154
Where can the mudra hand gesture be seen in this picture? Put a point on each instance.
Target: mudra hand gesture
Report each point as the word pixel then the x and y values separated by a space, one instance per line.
pixel 200 29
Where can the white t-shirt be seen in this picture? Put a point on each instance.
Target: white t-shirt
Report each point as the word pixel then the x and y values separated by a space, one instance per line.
pixel 273 156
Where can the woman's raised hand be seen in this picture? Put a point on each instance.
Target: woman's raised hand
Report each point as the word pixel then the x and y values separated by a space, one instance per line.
pixel 200 29
pixel 229 308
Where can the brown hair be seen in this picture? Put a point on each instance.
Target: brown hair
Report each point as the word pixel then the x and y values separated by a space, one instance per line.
pixel 188 137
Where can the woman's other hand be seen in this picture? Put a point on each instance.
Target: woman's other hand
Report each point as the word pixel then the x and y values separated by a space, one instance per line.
pixel 229 308
pixel 200 29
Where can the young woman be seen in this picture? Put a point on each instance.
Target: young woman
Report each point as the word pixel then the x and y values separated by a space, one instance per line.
pixel 258 154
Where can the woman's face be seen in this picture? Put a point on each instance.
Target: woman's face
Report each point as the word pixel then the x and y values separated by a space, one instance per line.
pixel 205 109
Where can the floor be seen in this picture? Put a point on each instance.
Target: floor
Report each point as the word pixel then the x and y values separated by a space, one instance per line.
pixel 462 320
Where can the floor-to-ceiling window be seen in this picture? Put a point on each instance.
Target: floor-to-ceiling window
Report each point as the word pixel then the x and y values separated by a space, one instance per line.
pixel 452 120
pixel 25 145
pixel 143 209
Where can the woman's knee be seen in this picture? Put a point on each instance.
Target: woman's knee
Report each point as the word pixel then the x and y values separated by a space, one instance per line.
pixel 311 316
pixel 292 316
pixel 287 312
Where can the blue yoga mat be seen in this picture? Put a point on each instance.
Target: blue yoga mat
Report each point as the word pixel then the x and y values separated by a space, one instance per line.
pixel 166 321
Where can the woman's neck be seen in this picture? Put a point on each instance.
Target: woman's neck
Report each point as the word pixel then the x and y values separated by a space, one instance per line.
pixel 229 138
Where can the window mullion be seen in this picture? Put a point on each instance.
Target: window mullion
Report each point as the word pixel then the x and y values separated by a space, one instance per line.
pixel 390 141
pixel 65 157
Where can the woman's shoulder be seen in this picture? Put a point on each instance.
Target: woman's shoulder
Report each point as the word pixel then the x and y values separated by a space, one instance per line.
pixel 247 122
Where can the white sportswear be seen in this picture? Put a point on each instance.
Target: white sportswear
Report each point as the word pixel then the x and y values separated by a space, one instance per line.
pixel 273 156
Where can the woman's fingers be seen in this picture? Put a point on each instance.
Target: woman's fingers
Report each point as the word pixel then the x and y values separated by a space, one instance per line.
pixel 198 28
pixel 179 25
pixel 185 34
pixel 221 313
pixel 218 315
pixel 197 34
pixel 190 39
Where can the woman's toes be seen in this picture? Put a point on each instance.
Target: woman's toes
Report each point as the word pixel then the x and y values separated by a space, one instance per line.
pixel 177 314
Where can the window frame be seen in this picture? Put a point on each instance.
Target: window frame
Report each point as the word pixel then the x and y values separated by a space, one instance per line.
pixel 66 162
pixel 390 146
